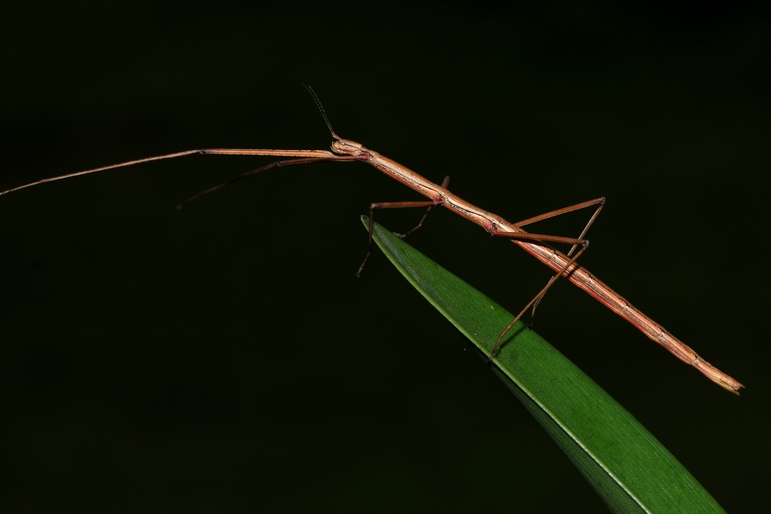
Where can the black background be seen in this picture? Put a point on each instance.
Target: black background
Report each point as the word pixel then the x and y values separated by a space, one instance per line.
pixel 223 357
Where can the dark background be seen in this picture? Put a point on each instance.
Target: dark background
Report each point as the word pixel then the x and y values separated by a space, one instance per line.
pixel 223 358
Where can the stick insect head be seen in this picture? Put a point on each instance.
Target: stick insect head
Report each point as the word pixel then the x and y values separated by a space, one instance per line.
pixel 340 146
pixel 356 150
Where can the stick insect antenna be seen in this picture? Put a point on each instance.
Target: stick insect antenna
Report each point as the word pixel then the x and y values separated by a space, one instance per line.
pixel 321 110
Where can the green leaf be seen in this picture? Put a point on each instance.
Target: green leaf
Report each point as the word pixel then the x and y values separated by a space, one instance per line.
pixel 620 459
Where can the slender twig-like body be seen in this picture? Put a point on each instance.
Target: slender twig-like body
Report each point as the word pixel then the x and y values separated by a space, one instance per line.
pixel 554 259
pixel 344 150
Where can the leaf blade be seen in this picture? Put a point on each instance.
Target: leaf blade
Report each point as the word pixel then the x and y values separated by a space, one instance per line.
pixel 620 459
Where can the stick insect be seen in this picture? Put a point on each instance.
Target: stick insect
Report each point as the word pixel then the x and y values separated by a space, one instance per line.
pixel 537 245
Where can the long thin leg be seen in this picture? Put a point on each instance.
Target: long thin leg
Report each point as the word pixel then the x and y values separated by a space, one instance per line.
pixel 396 205
pixel 321 155
pixel 277 164
pixel 579 242
pixel 576 242
pixel 553 279
pixel 558 212
pixel 600 203
pixel 445 183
